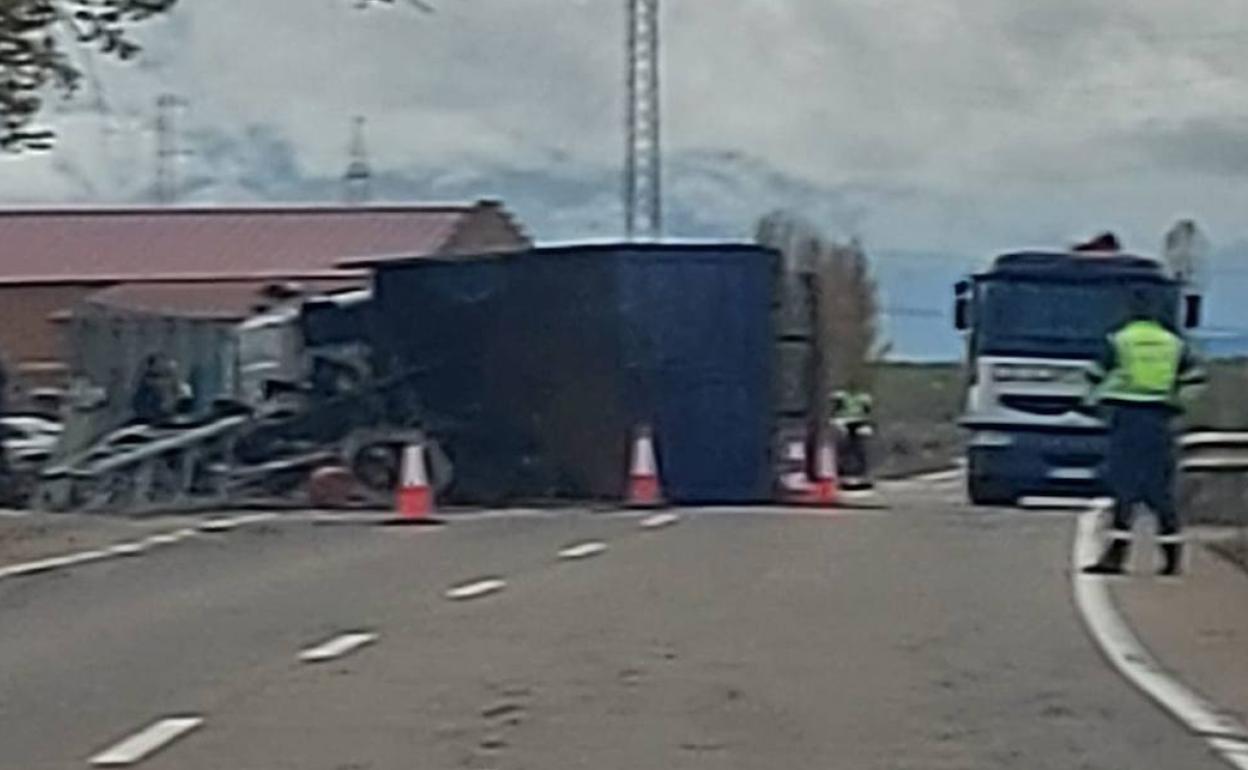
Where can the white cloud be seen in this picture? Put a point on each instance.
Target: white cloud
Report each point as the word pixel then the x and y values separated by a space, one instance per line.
pixel 1003 120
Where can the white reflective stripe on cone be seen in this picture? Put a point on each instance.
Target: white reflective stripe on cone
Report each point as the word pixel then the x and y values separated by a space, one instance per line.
pixel 643 457
pixel 827 462
pixel 795 482
pixel 414 466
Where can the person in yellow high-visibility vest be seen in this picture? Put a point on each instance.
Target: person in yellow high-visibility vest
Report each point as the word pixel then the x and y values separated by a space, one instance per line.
pixel 1139 376
pixel 851 419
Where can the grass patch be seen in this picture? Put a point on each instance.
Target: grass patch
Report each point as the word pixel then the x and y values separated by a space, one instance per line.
pixel 917 407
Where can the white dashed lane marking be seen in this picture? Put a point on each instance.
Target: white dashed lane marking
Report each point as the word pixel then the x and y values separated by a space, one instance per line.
pixel 476 589
pixel 168 538
pixel 659 520
pixel 583 550
pixel 146 742
pixel 337 647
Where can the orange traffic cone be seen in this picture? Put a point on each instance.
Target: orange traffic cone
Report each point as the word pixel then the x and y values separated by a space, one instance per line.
pixel 414 500
pixel 644 488
pixel 795 486
pixel 826 491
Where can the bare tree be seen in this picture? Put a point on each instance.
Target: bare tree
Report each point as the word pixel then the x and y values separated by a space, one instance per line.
pixel 848 315
pixel 35 36
pixel 847 330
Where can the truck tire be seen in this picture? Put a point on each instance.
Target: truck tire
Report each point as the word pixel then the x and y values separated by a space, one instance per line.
pixel 986 491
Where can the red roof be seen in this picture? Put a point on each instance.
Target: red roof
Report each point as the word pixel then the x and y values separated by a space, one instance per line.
pixel 128 244
pixel 217 300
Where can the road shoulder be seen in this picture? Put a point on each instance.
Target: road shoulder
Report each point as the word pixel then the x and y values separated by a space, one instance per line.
pixel 1197 626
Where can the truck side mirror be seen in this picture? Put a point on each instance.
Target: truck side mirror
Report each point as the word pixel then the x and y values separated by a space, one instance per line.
pixel 1192 304
pixel 962 306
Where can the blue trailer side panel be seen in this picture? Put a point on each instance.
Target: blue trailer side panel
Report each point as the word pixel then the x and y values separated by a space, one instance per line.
pixel 697 338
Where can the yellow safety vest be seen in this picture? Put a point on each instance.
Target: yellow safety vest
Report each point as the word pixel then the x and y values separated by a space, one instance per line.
pixel 1148 359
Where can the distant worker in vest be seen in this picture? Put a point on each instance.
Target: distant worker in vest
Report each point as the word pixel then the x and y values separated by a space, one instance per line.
pixel 851 415
pixel 1140 375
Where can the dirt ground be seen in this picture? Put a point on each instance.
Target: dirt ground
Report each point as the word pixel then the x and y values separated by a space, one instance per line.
pixel 1234 550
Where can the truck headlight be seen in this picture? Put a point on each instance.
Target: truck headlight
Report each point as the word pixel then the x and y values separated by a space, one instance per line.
pixel 991 438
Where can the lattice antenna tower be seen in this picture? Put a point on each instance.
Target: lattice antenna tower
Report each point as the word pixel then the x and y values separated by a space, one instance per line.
pixel 643 179
pixel 357 182
pixel 169 151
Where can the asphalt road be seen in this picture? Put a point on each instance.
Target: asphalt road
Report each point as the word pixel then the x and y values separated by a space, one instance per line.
pixel 927 637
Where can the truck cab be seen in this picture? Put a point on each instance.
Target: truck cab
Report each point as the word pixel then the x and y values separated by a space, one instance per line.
pixel 1033 323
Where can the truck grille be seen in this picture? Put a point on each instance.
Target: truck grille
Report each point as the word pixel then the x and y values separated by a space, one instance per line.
pixel 1043 405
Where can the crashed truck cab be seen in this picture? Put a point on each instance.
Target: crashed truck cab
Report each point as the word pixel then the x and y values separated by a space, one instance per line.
pixel 1033 323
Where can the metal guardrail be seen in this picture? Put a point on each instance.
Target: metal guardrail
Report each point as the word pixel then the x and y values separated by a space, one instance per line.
pixel 1214 452
pixel 1221 453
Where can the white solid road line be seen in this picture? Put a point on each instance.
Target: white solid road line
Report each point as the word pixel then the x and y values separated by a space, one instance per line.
pixel 254 518
pixel 234 522
pixel 32 567
pixel 83 557
pixel 337 647
pixel 1223 732
pixel 56 562
pixel 132 548
pixel 659 520
pixel 145 742
pixel 583 550
pixel 126 549
pixel 218 525
pixel 476 589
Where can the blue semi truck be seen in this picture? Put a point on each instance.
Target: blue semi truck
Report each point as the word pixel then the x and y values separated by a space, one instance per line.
pixel 1033 322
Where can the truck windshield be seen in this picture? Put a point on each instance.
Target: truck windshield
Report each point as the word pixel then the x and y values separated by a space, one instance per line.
pixel 1057 318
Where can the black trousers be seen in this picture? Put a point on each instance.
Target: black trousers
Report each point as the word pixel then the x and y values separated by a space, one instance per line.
pixel 1141 466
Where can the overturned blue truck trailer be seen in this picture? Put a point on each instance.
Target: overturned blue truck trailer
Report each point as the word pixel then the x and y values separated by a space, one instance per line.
pixel 535 368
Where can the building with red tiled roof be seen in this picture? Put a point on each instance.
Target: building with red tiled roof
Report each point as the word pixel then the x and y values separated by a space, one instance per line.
pixel 51 259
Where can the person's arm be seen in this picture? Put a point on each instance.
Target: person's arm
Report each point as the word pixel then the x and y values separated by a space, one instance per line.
pixel 1105 363
pixel 1192 376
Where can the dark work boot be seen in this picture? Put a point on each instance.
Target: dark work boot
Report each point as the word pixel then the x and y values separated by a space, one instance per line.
pixel 1172 559
pixel 1112 561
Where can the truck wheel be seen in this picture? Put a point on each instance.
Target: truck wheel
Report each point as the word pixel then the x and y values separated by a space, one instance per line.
pixel 986 491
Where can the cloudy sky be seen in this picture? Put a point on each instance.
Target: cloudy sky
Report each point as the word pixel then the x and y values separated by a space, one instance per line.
pixel 961 125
